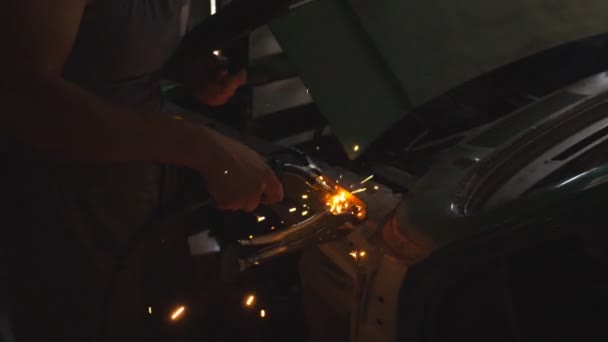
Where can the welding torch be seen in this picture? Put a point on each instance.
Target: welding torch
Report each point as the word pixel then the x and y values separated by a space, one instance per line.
pixel 321 227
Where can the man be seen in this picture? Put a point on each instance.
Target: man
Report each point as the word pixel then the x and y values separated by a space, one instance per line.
pixel 85 134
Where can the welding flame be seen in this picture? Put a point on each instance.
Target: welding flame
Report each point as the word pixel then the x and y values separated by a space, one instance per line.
pixel 358 255
pixel 343 202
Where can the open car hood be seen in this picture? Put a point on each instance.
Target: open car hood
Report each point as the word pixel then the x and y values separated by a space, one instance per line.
pixel 367 63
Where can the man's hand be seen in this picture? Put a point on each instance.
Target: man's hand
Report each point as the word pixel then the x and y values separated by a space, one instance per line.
pixel 237 177
pixel 220 89
pixel 206 77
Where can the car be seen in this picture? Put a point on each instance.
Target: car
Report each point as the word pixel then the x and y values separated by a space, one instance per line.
pixel 472 142
pixel 484 215
pixel 477 247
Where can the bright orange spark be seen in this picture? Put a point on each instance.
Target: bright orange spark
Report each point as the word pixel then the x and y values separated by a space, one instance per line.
pixel 178 313
pixel 250 300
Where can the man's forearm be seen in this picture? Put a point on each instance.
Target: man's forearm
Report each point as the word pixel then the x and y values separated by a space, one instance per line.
pixel 63 119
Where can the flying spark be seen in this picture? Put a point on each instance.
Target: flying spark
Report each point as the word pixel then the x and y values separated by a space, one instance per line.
pixel 367 179
pixel 178 313
pixel 263 313
pixel 376 188
pixel 293 210
pixel 353 254
pixel 362 254
pixel 226 172
pixel 305 212
pixel 356 148
pixel 304 196
pixel 250 237
pixel 250 300
pixel 359 191
pixel 261 218
pixel 273 228
pixel 149 310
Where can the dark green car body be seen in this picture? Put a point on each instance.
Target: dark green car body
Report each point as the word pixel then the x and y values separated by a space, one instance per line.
pixel 515 218
pixel 544 154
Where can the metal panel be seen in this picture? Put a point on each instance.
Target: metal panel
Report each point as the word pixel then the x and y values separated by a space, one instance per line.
pixel 434 45
pixel 279 95
pixel 368 59
pixel 263 44
pixel 348 82
pixel 302 137
pixel 520 121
